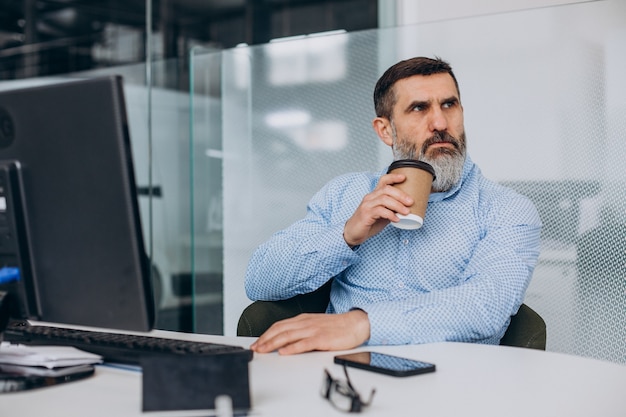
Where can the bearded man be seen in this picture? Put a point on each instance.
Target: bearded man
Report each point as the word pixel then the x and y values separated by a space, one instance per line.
pixel 460 277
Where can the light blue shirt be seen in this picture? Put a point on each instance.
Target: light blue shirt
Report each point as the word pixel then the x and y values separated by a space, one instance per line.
pixel 458 278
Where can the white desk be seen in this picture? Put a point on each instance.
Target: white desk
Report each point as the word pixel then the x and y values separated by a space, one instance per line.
pixel 471 380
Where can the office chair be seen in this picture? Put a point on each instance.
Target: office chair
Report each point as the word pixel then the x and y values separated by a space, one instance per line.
pixel 527 328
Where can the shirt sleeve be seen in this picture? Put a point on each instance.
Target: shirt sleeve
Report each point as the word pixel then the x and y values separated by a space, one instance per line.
pixel 478 310
pixel 304 256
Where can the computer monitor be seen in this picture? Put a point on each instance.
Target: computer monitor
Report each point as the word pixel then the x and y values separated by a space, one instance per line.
pixel 65 158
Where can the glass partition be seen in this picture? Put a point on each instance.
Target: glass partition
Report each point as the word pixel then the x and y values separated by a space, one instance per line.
pixel 158 114
pixel 543 97
pixel 206 198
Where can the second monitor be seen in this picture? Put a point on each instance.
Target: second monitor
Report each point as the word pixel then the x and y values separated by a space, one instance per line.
pixel 71 146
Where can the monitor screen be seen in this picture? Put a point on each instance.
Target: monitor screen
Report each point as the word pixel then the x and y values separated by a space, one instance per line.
pixel 68 153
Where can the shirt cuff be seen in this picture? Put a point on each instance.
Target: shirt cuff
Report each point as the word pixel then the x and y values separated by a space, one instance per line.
pixel 381 333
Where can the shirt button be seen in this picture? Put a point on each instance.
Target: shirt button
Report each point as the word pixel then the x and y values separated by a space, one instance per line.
pixel 400 284
pixel 405 241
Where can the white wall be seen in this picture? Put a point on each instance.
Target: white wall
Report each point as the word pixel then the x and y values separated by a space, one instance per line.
pixel 408 12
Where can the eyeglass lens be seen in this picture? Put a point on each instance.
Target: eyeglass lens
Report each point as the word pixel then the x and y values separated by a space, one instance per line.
pixel 341 394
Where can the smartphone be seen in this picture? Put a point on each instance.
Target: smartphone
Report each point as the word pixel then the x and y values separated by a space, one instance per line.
pixel 15 378
pixel 385 364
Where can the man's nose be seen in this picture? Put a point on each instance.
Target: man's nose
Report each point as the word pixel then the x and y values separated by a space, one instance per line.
pixel 438 120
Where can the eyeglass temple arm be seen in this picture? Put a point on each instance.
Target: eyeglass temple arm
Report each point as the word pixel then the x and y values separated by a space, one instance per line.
pixel 369 400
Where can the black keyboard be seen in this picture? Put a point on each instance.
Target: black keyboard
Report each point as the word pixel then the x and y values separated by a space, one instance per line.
pixel 115 347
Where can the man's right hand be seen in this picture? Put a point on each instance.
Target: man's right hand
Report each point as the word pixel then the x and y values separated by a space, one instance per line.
pixel 317 331
pixel 376 210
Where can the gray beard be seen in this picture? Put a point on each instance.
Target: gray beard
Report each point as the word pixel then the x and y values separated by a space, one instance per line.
pixel 448 170
pixel 448 165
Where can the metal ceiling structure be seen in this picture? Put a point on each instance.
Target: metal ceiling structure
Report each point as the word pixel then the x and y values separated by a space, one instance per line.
pixel 41 37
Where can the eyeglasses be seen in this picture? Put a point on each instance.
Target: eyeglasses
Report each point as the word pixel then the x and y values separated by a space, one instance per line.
pixel 342 394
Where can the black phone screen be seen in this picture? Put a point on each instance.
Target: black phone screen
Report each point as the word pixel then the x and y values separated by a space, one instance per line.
pixel 386 364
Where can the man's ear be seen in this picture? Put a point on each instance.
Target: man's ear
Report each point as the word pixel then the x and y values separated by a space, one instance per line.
pixel 383 129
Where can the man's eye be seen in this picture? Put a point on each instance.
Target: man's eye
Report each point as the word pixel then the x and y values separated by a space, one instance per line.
pixel 449 104
pixel 419 107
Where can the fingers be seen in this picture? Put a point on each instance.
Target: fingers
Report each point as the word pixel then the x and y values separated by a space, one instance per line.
pixel 385 205
pixel 308 332
pixel 281 334
pixel 389 198
pixel 377 209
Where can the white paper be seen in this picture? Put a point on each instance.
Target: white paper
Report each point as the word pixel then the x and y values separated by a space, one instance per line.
pixel 45 356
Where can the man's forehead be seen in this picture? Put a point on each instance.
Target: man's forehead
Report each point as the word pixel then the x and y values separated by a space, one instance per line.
pixel 425 87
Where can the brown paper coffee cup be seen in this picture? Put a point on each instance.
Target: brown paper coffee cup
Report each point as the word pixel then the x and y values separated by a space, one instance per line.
pixel 419 179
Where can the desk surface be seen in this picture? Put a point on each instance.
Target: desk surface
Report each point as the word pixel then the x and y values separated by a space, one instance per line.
pixel 471 380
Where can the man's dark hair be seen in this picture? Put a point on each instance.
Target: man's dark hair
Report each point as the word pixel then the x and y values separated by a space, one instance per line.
pixel 384 97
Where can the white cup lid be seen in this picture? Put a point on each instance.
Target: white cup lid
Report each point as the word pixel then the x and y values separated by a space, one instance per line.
pixel 408 222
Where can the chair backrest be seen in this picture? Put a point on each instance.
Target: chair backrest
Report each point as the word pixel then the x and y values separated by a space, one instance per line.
pixel 527 328
pixel 260 315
